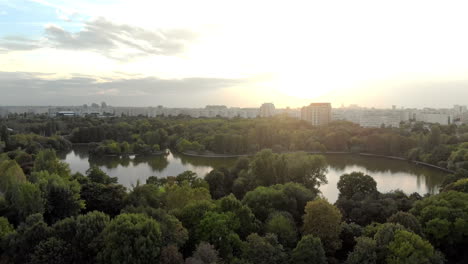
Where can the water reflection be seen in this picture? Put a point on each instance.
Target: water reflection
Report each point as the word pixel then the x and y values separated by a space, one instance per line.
pixel 389 174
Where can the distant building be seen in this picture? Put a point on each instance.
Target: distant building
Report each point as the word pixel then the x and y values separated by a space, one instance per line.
pixel 317 113
pixel 65 113
pixel 267 110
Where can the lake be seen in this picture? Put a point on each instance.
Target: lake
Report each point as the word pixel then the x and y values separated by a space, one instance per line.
pixel 389 174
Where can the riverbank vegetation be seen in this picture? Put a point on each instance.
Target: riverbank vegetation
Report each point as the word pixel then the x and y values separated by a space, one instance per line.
pixel 442 146
pixel 265 209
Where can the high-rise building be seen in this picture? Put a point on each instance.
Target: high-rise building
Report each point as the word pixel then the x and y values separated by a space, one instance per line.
pixel 317 113
pixel 267 110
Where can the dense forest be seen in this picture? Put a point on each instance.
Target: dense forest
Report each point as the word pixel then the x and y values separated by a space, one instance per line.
pixel 267 208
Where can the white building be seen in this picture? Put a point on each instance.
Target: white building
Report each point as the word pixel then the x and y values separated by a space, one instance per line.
pixel 267 110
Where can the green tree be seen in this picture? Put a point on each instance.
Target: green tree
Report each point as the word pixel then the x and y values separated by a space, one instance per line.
pixel 25 199
pixel 107 198
pixel 323 220
pixel 216 181
pixel 356 182
pixel 170 255
pixel 172 230
pixel 46 160
pixel 204 254
pixel 62 196
pixel 459 186
pixel 407 220
pixel 309 170
pixel 365 252
pixel 263 250
pixel 408 248
pixel 5 228
pixel 146 195
pixel 444 219
pixel 309 250
pixel 178 196
pixel 283 226
pixel 30 233
pixel 131 238
pixel 290 197
pixel 220 229
pixel 10 174
pixel 247 222
pixel 95 174
pixel 51 251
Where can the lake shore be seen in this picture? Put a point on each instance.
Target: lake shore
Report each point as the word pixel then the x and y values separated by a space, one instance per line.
pixel 214 155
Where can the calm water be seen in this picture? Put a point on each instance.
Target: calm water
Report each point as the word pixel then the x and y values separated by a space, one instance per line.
pixel 389 174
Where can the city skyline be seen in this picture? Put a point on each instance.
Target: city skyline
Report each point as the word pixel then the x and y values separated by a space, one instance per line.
pixel 181 53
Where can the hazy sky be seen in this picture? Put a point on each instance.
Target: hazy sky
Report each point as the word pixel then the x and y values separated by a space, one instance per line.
pixel 239 53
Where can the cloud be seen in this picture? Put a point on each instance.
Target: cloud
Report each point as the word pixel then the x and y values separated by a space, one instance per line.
pixel 32 88
pixel 115 41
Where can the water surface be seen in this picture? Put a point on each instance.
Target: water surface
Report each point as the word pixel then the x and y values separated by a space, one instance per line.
pixel 389 174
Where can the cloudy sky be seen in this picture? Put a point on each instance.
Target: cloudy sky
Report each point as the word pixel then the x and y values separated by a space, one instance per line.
pixel 238 53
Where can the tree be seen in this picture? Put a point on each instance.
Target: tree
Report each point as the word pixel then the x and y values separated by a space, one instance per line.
pixel 146 195
pixel 95 174
pixel 220 229
pixel 29 234
pixel 348 235
pixel 365 252
pixel 82 235
pixel 459 186
pixel 172 230
pixel 25 199
pixel 444 219
pixel 309 250
pixel 283 226
pixel 107 198
pixel 290 197
pixel 51 251
pixel 408 248
pixel 247 222
pixel 309 170
pixel 263 250
pixel 62 196
pixel 407 220
pixel 204 254
pixel 178 196
pixel 5 228
pixel 46 160
pixel 323 220
pixel 10 174
pixel 216 181
pixel 131 238
pixel 170 255
pixel 356 182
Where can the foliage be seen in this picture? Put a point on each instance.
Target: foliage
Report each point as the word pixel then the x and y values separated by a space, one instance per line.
pixel 290 197
pixel 408 247
pixel 309 250
pixel 204 254
pixel 444 219
pixel 283 226
pixel 10 174
pixel 263 250
pixel 365 252
pixel 356 183
pixel 131 238
pixel 323 220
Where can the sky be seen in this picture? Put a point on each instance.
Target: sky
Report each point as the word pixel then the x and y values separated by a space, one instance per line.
pixel 237 53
